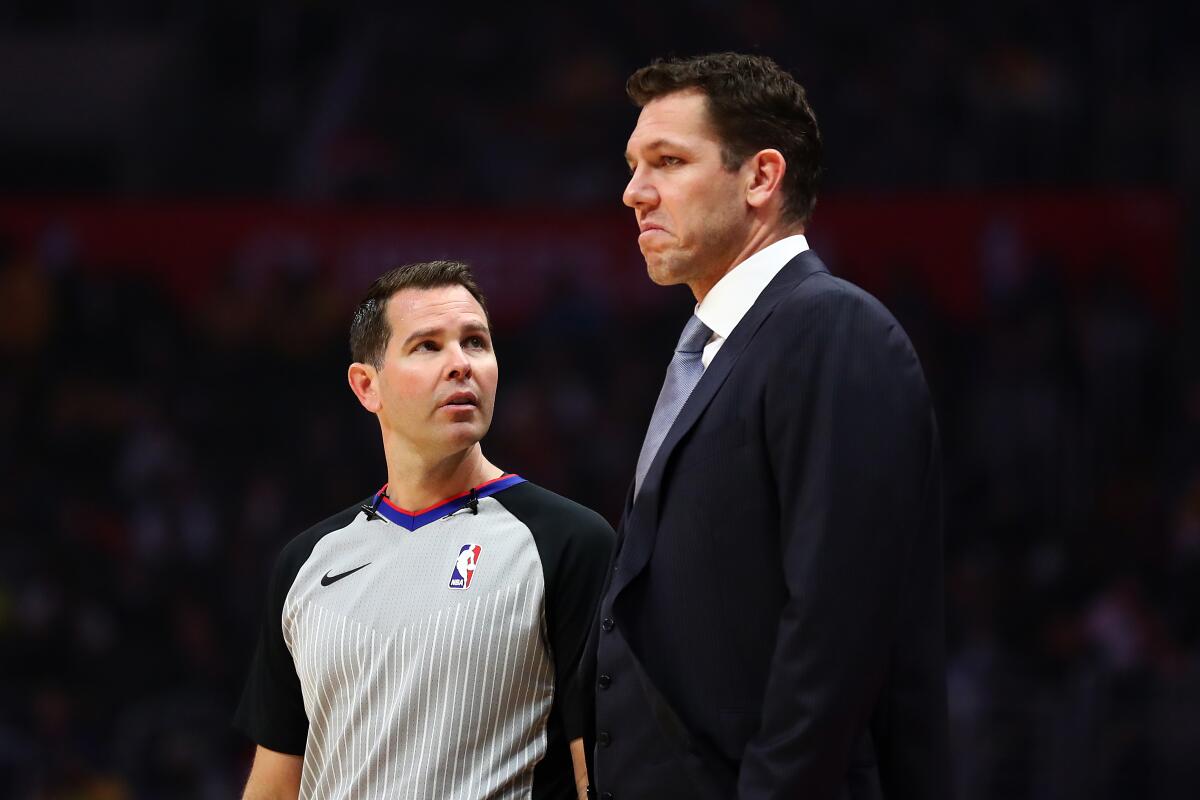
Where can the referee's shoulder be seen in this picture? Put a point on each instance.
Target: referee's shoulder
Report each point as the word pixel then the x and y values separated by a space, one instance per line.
pixel 300 546
pixel 538 506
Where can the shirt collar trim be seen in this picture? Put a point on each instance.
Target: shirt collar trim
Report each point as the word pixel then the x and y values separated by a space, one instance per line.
pixel 732 296
pixel 411 520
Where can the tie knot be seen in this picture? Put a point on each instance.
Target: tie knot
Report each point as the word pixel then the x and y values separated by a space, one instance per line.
pixel 695 335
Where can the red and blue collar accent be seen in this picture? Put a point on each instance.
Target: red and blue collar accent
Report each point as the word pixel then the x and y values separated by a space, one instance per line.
pixel 411 520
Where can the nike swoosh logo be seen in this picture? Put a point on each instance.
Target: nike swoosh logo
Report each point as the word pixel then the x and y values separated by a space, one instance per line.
pixel 328 579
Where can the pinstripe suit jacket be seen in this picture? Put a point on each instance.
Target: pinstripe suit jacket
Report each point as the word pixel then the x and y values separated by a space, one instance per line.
pixel 773 624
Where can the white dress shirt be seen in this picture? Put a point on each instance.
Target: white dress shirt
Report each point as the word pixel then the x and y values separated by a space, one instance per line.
pixel 729 300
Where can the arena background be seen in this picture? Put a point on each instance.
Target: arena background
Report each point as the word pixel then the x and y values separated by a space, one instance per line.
pixel 194 194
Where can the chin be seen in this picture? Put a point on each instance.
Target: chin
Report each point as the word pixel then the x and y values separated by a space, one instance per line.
pixel 466 435
pixel 662 272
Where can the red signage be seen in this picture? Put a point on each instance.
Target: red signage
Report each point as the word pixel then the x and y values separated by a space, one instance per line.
pixel 958 248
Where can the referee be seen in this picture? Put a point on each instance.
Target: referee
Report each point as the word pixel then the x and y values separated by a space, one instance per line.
pixel 431 652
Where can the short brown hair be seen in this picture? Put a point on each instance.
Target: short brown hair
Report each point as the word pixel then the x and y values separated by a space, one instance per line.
pixel 370 331
pixel 754 104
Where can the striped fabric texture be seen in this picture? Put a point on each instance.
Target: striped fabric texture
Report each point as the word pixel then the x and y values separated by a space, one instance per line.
pixel 435 661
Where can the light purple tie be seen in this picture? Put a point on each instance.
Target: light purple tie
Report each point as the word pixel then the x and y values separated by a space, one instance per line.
pixel 683 373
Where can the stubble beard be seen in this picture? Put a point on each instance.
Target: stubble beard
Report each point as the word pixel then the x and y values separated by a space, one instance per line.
pixel 669 268
pixel 707 260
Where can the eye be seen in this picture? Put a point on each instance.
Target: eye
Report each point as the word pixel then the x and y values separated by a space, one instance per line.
pixel 670 161
pixel 477 342
pixel 428 346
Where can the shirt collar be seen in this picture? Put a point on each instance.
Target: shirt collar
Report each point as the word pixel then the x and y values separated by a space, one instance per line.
pixel 729 300
pixel 411 520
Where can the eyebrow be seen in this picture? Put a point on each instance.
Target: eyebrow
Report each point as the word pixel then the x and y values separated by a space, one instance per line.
pixel 658 144
pixel 433 332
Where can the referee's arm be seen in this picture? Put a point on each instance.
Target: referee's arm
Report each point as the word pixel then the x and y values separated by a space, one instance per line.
pixel 579 762
pixel 276 776
pixel 575 596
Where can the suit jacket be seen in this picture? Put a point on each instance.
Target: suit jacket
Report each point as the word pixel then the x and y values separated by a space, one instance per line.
pixel 773 622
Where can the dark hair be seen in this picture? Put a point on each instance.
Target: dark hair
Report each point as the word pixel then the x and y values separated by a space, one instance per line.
pixel 753 104
pixel 369 330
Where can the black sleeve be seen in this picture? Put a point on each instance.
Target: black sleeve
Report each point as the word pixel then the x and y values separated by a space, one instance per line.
pixel 575 545
pixel 271 711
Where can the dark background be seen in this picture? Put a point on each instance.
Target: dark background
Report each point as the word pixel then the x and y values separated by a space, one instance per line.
pixel 194 194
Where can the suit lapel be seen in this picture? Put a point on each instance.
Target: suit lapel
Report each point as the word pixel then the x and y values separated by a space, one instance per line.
pixel 640 522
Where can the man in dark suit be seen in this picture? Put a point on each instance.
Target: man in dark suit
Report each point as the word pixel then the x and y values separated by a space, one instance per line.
pixel 773 623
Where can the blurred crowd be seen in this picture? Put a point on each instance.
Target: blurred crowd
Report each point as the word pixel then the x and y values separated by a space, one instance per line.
pixel 157 455
pixel 504 105
pixel 154 455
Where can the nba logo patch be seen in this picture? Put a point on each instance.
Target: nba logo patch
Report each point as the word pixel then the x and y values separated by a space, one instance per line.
pixel 464 567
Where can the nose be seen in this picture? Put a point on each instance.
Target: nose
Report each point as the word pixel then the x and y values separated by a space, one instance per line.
pixel 639 191
pixel 458 366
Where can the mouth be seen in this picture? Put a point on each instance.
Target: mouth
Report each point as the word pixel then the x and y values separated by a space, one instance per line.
pixel 461 400
pixel 652 237
pixel 647 227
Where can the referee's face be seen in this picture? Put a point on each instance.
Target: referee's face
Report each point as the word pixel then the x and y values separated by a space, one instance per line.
pixel 437 386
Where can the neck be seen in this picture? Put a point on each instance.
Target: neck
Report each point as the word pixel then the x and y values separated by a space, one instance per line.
pixel 416 482
pixel 761 235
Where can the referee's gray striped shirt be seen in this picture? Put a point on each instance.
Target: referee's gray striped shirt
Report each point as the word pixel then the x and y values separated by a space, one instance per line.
pixel 434 662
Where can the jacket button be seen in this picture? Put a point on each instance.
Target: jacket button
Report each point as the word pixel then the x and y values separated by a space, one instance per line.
pixel 603 739
pixel 604 680
pixel 606 623
pixel 606 796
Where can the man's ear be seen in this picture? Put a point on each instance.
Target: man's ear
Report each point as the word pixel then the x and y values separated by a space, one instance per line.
pixel 364 382
pixel 767 168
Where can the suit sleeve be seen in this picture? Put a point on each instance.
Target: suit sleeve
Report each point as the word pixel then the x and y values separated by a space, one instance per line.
pixel 271 711
pixel 853 451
